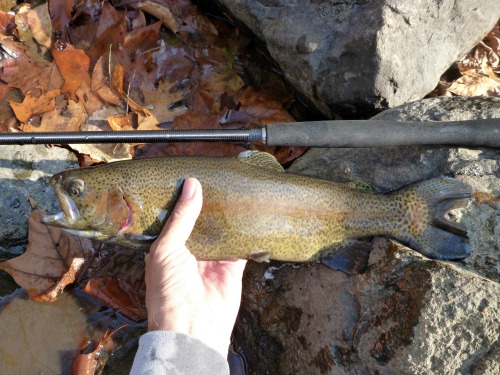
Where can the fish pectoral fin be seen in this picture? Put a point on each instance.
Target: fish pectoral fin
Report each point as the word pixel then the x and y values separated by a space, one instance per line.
pixel 351 258
pixel 260 256
pixel 139 238
pixel 260 159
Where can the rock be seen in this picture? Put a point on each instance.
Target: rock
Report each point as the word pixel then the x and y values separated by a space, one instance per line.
pixel 354 57
pixel 24 173
pixel 406 314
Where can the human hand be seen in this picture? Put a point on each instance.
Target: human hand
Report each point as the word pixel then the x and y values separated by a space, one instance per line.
pixel 199 298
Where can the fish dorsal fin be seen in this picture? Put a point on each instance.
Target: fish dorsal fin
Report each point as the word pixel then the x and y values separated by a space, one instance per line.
pixel 260 159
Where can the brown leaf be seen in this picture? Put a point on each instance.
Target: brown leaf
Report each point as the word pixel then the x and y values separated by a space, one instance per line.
pixel 66 118
pixel 163 13
pixel 51 261
pixel 107 79
pixel 108 291
pixel 40 24
pixel 6 23
pixel 111 31
pixel 35 103
pixel 159 100
pixel 60 13
pixel 73 63
pixel 142 39
pixel 475 84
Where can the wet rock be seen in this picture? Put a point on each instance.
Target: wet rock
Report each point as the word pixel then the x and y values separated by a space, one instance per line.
pixel 24 173
pixel 352 57
pixel 406 314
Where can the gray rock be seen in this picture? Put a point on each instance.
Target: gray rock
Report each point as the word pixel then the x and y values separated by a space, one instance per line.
pixel 24 173
pixel 352 57
pixel 406 314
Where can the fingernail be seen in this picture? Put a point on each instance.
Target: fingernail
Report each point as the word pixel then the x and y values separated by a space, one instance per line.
pixel 189 188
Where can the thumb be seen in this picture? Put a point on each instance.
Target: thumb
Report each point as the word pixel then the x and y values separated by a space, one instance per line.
pixel 181 221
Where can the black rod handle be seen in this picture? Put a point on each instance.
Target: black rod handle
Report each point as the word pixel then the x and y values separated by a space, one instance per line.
pixel 375 133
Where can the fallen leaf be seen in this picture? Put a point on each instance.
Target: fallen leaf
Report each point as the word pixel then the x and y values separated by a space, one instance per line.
pixel 7 23
pixel 111 31
pixel 60 13
pixel 159 101
pixel 40 24
pixel 52 260
pixel 65 118
pixel 475 84
pixel 163 13
pixel 74 64
pixel 107 79
pixel 108 291
pixel 35 104
pixel 121 123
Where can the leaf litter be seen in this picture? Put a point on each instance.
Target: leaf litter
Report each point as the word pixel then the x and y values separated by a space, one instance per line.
pixel 146 65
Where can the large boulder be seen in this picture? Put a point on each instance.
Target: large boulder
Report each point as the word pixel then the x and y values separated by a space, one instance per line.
pixel 354 57
pixel 406 314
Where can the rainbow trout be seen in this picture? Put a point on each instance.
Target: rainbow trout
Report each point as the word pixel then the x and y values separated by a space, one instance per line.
pixel 253 209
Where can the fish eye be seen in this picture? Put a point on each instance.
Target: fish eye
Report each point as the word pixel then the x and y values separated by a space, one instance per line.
pixel 76 187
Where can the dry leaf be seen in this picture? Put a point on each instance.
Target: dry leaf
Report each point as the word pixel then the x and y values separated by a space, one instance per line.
pixel 108 291
pixel 475 84
pixel 51 261
pixel 161 12
pixel 60 13
pixel 159 102
pixel 121 123
pixel 66 118
pixel 107 79
pixel 73 63
pixel 40 24
pixel 34 104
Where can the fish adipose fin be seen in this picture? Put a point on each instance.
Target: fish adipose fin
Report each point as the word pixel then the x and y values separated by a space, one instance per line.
pixel 427 229
pixel 260 159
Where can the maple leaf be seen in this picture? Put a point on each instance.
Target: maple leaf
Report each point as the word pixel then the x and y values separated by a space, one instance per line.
pixel 52 260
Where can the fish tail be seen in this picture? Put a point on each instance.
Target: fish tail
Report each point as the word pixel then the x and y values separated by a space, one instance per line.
pixel 425 227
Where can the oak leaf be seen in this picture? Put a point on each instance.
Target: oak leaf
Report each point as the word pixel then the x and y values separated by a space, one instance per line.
pixel 35 103
pixel 52 260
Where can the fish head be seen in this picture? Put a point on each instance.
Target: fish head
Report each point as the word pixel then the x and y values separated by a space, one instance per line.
pixel 92 205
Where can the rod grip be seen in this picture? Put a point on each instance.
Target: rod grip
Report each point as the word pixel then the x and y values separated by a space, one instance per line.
pixel 375 133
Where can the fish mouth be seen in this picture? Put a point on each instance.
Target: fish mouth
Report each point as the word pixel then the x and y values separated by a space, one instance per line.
pixel 68 216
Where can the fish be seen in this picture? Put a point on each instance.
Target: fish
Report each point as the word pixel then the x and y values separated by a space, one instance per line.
pixel 254 209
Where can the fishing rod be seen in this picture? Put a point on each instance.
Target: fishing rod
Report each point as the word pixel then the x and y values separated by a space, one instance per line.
pixel 338 133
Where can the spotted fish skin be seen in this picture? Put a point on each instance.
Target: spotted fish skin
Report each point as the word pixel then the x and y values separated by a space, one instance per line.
pixel 253 209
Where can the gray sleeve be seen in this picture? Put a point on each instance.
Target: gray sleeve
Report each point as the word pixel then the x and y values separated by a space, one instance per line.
pixel 167 352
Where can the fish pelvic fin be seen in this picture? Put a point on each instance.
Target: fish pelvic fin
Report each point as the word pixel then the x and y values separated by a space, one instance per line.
pixel 426 227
